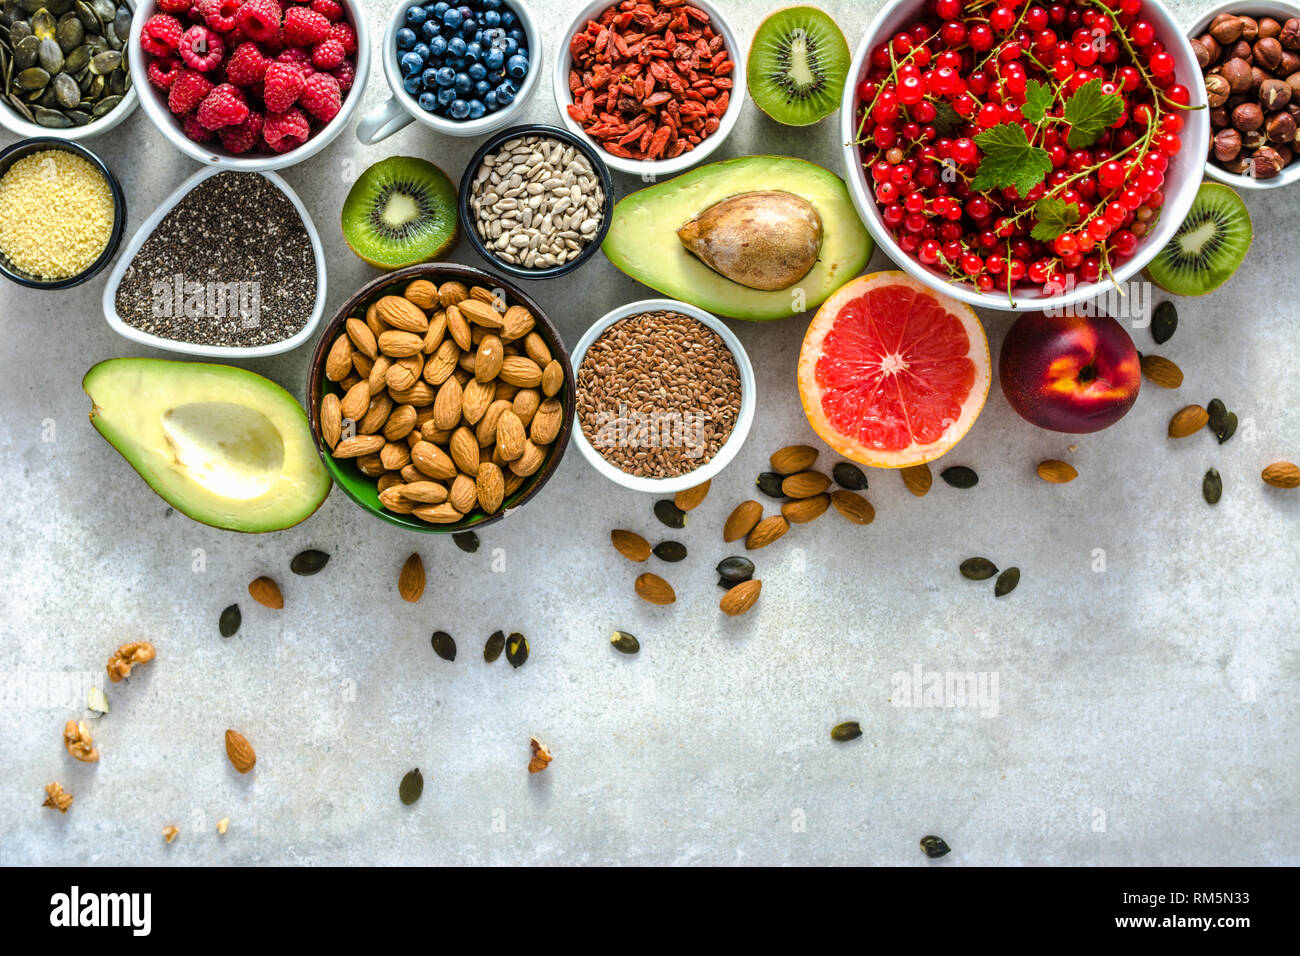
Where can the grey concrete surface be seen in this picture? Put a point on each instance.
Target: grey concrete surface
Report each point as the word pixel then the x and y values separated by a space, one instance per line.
pixel 1145 713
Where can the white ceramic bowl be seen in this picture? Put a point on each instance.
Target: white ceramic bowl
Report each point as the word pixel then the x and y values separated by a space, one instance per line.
pixel 1281 12
pixel 11 121
pixel 1181 179
pixel 402 109
pixel 648 169
pixel 745 418
pixel 212 153
pixel 223 352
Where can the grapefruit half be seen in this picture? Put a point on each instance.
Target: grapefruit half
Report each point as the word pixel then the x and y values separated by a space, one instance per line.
pixel 891 373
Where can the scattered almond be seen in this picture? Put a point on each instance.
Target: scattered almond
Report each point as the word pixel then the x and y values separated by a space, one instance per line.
pixel 803 510
pixel 1057 472
pixel 691 498
pixel 630 544
pixel 918 479
pixel 266 593
pixel 410 581
pixel 766 531
pixel 541 756
pixel 240 751
pixel 1161 371
pixel 654 589
pixel 793 459
pixel 805 484
pixel 1188 421
pixel 741 521
pixel 1282 474
pixel 740 598
pixel 853 506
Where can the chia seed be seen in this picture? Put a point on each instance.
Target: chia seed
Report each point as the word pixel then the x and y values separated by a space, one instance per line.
pixel 230 265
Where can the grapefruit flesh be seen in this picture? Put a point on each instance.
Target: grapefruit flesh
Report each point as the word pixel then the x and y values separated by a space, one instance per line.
pixel 891 373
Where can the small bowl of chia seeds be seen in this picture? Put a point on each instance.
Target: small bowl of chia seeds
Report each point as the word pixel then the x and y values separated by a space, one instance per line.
pixel 665 395
pixel 536 201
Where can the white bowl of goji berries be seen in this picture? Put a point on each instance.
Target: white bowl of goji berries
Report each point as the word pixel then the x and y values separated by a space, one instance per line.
pixel 694 104
pixel 312 57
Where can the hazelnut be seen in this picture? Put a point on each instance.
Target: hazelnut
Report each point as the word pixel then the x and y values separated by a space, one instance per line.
pixel 1227 144
pixel 1240 49
pixel 1265 163
pixel 1226 28
pixel 1268 53
pixel 1274 94
pixel 1280 127
pixel 1290 63
pixel 1218 117
pixel 1249 29
pixel 1290 35
pixel 1212 45
pixel 1257 76
pixel 1237 165
pixel 1253 139
pixel 1237 73
pixel 1294 109
pixel 1247 117
pixel 1293 81
pixel 1217 90
pixel 1201 53
pixel 1285 153
pixel 1268 27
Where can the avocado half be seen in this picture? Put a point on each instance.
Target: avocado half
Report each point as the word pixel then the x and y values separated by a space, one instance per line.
pixel 642 239
pixel 222 445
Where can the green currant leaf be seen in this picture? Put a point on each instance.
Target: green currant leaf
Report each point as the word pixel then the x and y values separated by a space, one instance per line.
pixel 1009 160
pixel 1038 100
pixel 946 119
pixel 1055 218
pixel 1088 112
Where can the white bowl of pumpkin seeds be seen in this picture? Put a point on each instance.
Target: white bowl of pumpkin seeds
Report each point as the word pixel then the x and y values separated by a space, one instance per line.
pixel 64 70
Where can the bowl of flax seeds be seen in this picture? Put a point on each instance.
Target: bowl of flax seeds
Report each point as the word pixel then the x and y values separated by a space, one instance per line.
pixel 665 395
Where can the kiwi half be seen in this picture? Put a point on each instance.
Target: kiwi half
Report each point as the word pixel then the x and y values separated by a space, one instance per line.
pixel 797 66
pixel 1209 245
pixel 400 211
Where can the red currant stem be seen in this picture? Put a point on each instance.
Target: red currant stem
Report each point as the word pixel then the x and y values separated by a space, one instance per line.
pixel 1008 268
pixel 893 73
pixel 993 50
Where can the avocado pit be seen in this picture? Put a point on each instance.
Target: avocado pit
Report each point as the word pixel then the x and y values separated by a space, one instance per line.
pixel 766 240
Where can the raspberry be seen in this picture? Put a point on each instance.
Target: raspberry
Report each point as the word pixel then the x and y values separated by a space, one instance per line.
pixel 242 138
pixel 246 66
pixel 187 92
pixel 284 131
pixel 219 14
pixel 321 97
pixel 201 49
pixel 329 9
pixel 259 19
pixel 161 35
pixel 296 56
pixel 164 70
pixel 175 6
pixel 196 130
pixel 328 54
pixel 345 73
pixel 344 33
pixel 224 106
pixel 281 86
pixel 304 27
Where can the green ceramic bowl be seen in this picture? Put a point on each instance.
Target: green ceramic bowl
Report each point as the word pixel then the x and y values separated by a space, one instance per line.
pixel 361 488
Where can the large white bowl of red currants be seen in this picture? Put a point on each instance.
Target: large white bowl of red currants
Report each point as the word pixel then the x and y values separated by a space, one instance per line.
pixel 1017 155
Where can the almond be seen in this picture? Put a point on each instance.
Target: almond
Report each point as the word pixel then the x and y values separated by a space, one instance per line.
pixel 518 323
pixel 552 377
pixel 535 346
pixel 740 598
pixel 442 363
pixel 521 370
pixel 446 407
pixel 331 419
pixel 1160 371
pixel 546 423
pixel 422 293
pixel 362 363
pixel 805 484
pixel 370 466
pixel 464 451
pixel 362 337
pixel 374 323
pixel 481 294
pixel 510 435
pixel 1281 474
pixel 486 431
pixel 480 313
pixel 266 593
pixel 240 751
pixel 487 361
pixel 339 362
pixel 419 395
pixel 358 445
pixel 793 459
pixel 459 328
pixel 452 293
pixel 917 479
pixel 376 415
pixel 436 334
pixel 691 498
pixel 803 510
pixel 402 314
pixel 438 514
pixel 654 589
pixel 1188 421
pixel 356 402
pixel 741 521
pixel 395 455
pixel 476 399
pixel 630 544
pixel 433 461
pixel 525 404
pixel 400 423
pixel 423 492
pixel 1057 472
pixel 410 580
pixel 378 374
pixel 491 487
pixel 853 506
pixel 399 344
pixel 404 373
pixel 766 531
pixel 529 460
pixel 463 494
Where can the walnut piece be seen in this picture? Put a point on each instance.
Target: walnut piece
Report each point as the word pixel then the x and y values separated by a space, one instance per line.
pixel 56 797
pixel 79 743
pixel 126 657
pixel 541 756
pixel 170 833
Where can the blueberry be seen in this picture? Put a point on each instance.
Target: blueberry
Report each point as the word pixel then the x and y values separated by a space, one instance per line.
pixel 473 51
pixel 477 71
pixel 445 96
pixel 406 38
pixel 452 19
pixel 437 46
pixel 458 110
pixel 440 8
pixel 517 67
pixel 516 34
pixel 411 63
pixel 490 100
pixel 429 29
pixel 428 102
pixel 491 18
pixel 476 109
pixel 508 19
pixel 444 76
pixel 456 46
pixel 481 88
pixel 506 93
pixel 422 51
pixel 462 84
pixel 429 78
pixel 457 63
pixel 491 4
pixel 416 15
pixel 468 29
pixel 509 46
pixel 466 11
pixel 411 84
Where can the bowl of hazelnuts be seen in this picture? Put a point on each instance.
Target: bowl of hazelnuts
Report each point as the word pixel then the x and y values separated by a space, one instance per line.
pixel 1250 57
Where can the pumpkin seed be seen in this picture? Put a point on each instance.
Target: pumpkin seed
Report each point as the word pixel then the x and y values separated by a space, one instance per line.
pixel 467 541
pixel 978 569
pixel 670 514
pixel 735 569
pixel 22 108
pixel 670 551
pixel 769 482
pixel 51 119
pixel 496 643
pixel 26 51
pixel 1006 582
pixel 102 64
pixel 19 30
pixel 934 847
pixel 850 476
pixel 104 9
pixel 122 22
pixel 86 14
pixel 32 79
pixel 1212 487
pixel 1164 322
pixel 308 562
pixel 43 24
pixel 59 7
pixel 959 476
pixel 1218 413
pixel 106 105
pixel 411 787
pixel 77 60
pixel 516 649
pixel 66 91
pixel 1229 427
pixel 78 117
pixel 230 620
pixel 849 730
pixel 50 56
pixel 624 642
pixel 443 645
pixel 69 34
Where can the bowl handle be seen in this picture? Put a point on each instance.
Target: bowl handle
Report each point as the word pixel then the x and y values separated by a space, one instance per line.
pixel 382 122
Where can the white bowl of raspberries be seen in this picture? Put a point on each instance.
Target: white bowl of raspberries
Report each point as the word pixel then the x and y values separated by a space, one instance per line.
pixel 250 85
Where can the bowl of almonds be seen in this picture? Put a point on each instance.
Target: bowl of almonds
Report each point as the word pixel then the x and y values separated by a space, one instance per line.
pixel 440 397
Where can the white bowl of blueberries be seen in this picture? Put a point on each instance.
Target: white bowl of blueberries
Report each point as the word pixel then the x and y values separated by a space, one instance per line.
pixel 463 69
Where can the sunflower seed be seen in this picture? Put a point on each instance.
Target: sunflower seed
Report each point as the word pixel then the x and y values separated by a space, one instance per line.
pixel 516 649
pixel 850 476
pixel 308 562
pixel 670 514
pixel 934 847
pixel 1164 322
pixel 1006 582
pixel 1212 487
pixel 411 787
pixel 496 643
pixel 467 541
pixel 670 551
pixel 978 569
pixel 959 476
pixel 229 621
pixel 849 730
pixel 625 642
